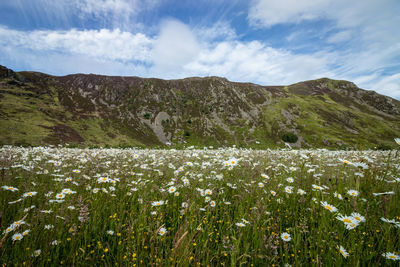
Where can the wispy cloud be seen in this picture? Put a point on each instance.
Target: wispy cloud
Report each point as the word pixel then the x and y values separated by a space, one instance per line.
pixel 103 7
pixel 340 37
pixel 114 13
pixel 266 13
pixel 61 14
pixel 384 84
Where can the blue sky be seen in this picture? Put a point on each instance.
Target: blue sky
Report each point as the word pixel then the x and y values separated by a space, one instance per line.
pixel 268 42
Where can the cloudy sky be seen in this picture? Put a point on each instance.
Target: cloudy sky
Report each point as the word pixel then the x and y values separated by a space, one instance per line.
pixel 268 42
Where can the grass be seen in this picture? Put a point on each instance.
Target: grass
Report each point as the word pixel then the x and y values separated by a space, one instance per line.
pixel 238 182
pixel 320 118
pixel 317 119
pixel 14 127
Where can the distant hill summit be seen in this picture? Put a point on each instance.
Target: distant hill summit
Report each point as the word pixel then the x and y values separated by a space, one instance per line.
pixel 97 110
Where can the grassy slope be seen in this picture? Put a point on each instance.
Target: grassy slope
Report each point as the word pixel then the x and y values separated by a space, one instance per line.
pixel 319 120
pixel 29 116
pixel 27 119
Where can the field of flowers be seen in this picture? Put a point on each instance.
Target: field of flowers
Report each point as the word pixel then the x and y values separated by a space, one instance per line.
pixel 199 207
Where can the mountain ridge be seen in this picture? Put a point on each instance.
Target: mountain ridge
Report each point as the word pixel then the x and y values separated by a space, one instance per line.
pixel 98 110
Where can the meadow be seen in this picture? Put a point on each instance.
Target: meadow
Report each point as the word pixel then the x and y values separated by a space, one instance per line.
pixel 199 207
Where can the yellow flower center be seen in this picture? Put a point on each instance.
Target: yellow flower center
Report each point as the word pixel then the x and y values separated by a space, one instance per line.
pixel 328 207
pixel 347 221
pixel 392 257
pixel 357 218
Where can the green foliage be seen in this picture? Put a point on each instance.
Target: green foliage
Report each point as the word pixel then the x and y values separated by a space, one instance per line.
pixel 147 115
pixel 290 137
pixel 243 228
pixel 384 147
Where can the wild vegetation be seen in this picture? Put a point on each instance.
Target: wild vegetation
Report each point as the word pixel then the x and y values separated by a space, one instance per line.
pixel 199 207
pixel 104 111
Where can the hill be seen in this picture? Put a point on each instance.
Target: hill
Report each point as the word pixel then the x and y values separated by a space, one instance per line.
pixel 96 110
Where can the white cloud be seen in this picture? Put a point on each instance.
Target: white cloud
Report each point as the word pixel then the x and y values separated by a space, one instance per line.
pixel 179 51
pixel 102 7
pixel 365 79
pixel 369 28
pixel 63 14
pixel 221 30
pixel 267 13
pixel 175 46
pixel 270 12
pixel 256 62
pixel 339 37
pixel 101 44
pixel 368 22
pixel 387 85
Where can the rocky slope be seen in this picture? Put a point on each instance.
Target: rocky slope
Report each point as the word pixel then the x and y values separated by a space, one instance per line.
pixel 36 109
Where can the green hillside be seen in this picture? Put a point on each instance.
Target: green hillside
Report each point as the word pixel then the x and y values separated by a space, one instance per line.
pixel 94 110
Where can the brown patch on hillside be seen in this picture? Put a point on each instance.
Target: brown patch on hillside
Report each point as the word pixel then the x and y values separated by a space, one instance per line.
pixel 62 134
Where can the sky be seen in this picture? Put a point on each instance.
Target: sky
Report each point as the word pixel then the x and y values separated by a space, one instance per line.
pixel 267 42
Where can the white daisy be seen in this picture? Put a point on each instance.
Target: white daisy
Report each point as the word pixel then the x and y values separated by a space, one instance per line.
pixel 391 256
pixel 172 189
pixel 162 231
pixel 240 224
pixel 17 237
pixel 328 206
pixel 343 251
pixel 286 237
pixel 9 188
pixel 60 196
pixel 157 203
pixel 29 194
pixel 353 193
